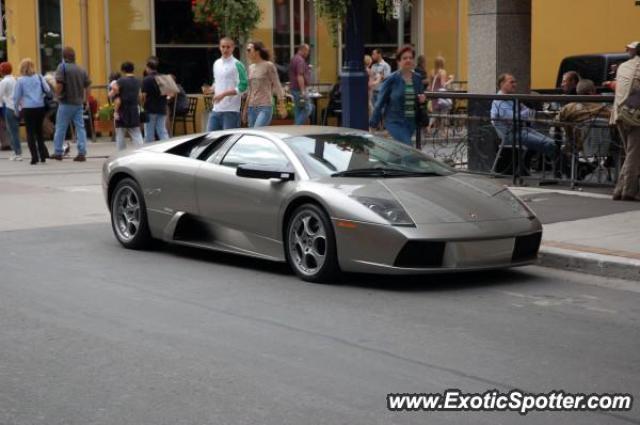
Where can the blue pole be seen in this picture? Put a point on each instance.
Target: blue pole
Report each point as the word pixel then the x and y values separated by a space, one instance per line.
pixel 353 78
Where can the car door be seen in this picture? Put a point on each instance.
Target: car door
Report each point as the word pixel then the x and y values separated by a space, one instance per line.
pixel 247 209
pixel 169 179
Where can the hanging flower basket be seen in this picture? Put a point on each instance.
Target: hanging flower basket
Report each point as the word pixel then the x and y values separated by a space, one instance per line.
pixel 234 18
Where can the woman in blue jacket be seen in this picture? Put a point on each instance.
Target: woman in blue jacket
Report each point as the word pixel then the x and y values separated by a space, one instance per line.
pixel 28 97
pixel 397 98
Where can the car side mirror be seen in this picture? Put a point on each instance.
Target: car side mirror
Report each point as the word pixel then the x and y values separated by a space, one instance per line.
pixel 264 172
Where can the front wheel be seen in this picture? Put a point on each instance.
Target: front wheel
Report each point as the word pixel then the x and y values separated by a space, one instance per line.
pixel 129 215
pixel 310 244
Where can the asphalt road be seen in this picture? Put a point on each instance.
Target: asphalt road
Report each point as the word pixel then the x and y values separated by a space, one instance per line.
pixel 91 333
pixel 95 334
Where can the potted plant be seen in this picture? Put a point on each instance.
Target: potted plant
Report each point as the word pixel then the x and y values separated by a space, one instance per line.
pixel 104 119
pixel 276 120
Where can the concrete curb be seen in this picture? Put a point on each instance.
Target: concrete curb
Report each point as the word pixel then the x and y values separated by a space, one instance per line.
pixel 586 262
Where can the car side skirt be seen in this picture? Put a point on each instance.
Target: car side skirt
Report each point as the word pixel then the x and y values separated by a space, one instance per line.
pixel 188 230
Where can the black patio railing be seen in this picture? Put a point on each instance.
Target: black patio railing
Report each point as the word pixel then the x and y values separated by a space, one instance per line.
pixel 462 134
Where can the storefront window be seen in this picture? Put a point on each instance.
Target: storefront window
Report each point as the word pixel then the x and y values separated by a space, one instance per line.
pixel 192 67
pixel 382 31
pixel 285 38
pixel 129 20
pixel 185 48
pixel 174 24
pixel 50 34
pixel 3 33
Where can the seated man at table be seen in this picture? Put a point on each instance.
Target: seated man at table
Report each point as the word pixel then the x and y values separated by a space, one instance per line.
pixel 582 113
pixel 502 119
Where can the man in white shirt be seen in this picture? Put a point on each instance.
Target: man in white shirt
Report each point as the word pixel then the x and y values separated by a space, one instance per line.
pixel 229 82
pixel 7 86
pixel 379 71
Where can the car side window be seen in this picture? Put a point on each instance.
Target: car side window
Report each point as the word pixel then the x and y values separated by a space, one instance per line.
pixel 206 150
pixel 254 150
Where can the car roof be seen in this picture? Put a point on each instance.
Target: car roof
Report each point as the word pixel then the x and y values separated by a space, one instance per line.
pixel 616 55
pixel 284 131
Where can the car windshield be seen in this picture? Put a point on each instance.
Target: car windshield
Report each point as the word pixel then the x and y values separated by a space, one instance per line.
pixel 362 155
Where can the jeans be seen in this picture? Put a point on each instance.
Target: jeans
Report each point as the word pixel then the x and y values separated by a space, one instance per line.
pixel 223 120
pixel 69 113
pixel 134 133
pixel 534 141
pixel 260 116
pixel 374 97
pixel 402 131
pixel 301 110
pixel 14 130
pixel 157 124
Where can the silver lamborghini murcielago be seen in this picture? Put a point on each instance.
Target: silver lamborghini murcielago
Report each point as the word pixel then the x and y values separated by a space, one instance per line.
pixel 323 199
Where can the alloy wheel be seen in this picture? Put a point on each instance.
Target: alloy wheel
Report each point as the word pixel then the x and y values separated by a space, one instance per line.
pixel 127 213
pixel 307 242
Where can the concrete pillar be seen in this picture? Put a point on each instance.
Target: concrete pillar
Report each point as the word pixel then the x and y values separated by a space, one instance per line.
pixel 499 41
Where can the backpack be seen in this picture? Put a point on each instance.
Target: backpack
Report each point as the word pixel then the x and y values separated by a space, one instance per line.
pixel 166 85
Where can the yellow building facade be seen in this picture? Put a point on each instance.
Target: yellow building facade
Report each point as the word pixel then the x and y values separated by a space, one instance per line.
pixel 107 32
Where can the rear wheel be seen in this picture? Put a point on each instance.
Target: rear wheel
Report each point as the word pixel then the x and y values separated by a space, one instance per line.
pixel 310 244
pixel 129 215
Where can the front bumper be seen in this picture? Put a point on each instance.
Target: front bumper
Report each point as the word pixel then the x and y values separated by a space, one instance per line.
pixel 437 248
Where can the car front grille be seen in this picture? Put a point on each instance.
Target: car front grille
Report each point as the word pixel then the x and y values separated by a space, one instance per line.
pixel 526 247
pixel 419 254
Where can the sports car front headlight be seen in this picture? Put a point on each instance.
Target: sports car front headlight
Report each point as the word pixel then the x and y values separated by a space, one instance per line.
pixel 516 203
pixel 388 209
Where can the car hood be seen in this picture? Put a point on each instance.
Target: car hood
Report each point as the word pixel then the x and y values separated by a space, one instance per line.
pixel 442 199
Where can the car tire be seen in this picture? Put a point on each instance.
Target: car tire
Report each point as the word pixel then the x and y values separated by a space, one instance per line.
pixel 310 245
pixel 129 215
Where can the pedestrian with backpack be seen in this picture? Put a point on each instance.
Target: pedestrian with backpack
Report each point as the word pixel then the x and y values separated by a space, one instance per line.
pixel 155 105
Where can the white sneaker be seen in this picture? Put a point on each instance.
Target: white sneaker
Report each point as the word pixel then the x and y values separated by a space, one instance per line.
pixel 18 158
pixel 12 157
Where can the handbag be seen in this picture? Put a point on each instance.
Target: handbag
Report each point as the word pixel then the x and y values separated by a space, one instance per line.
pixel 47 97
pixel 629 110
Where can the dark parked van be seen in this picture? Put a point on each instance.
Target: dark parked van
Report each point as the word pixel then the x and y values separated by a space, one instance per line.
pixel 596 67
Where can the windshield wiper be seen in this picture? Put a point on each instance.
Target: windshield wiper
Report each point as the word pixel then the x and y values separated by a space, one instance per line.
pixel 382 172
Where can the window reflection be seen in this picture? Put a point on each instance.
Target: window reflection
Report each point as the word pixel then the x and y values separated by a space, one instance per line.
pixel 50 34
pixel 254 150
pixel 326 154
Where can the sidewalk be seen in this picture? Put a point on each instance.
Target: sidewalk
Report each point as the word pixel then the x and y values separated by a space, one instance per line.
pixel 586 231
pixel 583 230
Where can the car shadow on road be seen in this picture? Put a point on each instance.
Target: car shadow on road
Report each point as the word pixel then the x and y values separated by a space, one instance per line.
pixel 226 259
pixel 439 282
pixel 417 283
